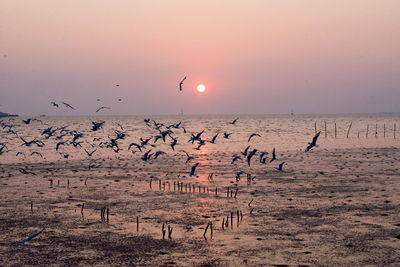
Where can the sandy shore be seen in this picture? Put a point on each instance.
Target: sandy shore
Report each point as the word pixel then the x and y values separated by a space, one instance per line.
pixel 350 215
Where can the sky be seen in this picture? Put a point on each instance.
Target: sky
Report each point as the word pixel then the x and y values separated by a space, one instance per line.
pixel 253 56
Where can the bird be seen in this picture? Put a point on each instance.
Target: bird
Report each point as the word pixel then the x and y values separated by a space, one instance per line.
pixel 102 108
pixel 59 144
pixel 24 171
pixel 245 151
pixel 36 153
pixel 238 175
pixel 68 105
pixel 97 125
pixel 252 135
pixel 262 154
pixel 189 158
pixel 226 135
pixel 27 121
pixel 27 241
pixel 181 83
pixel 251 154
pixel 273 155
pixel 213 139
pixel 54 104
pixel 158 153
pixel 146 156
pixel 234 121
pixel 192 171
pixel 136 145
pixel 90 153
pixel 313 142
pixel 173 144
pixel 280 168
pixel 235 158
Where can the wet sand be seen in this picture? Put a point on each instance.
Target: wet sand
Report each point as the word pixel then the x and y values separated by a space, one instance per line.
pixel 348 216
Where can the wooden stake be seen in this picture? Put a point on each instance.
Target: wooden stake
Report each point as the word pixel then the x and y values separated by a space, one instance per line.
pixel 169 232
pixel 163 231
pixel 250 202
pixel 348 131
pixel 223 223
pixel 325 130
pixel 394 131
pixel 108 214
pixel 137 223
pixel 376 130
pixel 366 135
pixel 31 206
pixel 384 130
pixel 335 130
pixel 315 127
pixel 83 205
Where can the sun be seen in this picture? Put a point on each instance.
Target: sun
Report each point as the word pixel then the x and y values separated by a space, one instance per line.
pixel 201 88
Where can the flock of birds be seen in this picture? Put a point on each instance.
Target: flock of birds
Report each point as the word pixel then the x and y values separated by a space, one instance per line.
pixel 165 133
pixel 63 136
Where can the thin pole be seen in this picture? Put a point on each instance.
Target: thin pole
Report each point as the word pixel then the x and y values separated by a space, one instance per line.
pixel 335 130
pixel 348 131
pixel 384 130
pixel 394 131
pixel 366 135
pixel 315 127
pixel 325 129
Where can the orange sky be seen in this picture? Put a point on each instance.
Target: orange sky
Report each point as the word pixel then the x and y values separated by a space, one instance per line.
pixel 254 56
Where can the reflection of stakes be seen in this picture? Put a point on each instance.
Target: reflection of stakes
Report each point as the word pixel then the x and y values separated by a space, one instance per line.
pixel 223 223
pixel 151 180
pixel 227 192
pixel 163 231
pixel 236 192
pixel 169 232
pixel 216 191
pixel 231 220
pixel 83 205
pixel 68 184
pixel 251 201
pixel 159 185
pixel 137 223
pixel 108 214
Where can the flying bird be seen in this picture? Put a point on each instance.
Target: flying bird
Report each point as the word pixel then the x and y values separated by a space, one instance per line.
pixel 226 135
pixel 280 168
pixel 213 139
pixel 273 156
pixel 54 104
pixel 102 108
pixel 313 142
pixel 250 155
pixel 234 121
pixel 192 171
pixel 235 158
pixel 252 135
pixel 181 83
pixel 68 105
pixel 90 153
pixel 27 241
pixel 158 153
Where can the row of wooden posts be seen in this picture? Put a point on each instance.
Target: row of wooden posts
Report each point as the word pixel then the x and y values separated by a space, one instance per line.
pixel 349 128
pixel 178 186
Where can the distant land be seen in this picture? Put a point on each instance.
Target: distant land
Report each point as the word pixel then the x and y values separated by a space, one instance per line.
pixel 3 114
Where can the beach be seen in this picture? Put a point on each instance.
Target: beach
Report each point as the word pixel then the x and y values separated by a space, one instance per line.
pixel 337 204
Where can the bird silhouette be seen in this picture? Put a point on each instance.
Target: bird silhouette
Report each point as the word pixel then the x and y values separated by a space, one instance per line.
pixel 234 121
pixel 27 241
pixel 90 153
pixel 68 105
pixel 181 83
pixel 273 155
pixel 235 158
pixel 226 135
pixel 102 108
pixel 54 104
pixel 252 135
pixel 192 171
pixel 313 142
pixel 158 153
pixel 280 167
pixel 214 138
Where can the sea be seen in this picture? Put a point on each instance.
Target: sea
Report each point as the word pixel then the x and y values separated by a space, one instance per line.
pixel 282 132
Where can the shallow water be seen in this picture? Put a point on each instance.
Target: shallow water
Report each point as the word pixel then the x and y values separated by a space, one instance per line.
pixel 347 216
pixel 285 133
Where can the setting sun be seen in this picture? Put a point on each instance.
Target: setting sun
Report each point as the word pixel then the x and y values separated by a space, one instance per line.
pixel 201 88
